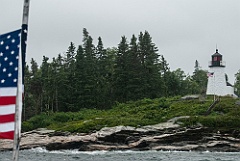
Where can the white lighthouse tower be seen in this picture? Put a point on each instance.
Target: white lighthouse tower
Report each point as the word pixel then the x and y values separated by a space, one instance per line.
pixel 217 82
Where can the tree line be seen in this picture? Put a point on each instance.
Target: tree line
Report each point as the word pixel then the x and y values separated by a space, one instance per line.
pixel 91 76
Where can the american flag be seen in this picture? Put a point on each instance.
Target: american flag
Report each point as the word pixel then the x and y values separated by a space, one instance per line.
pixel 210 74
pixel 9 55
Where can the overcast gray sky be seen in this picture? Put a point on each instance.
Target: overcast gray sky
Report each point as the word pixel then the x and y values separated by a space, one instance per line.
pixel 183 30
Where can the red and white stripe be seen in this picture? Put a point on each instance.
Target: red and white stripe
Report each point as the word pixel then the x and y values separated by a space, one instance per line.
pixel 7 112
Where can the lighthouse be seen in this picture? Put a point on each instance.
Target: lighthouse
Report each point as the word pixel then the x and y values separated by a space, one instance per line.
pixel 217 80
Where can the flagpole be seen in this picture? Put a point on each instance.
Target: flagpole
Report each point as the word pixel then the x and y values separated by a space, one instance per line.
pixel 19 99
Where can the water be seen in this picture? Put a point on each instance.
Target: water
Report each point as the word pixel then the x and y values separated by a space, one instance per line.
pixel 40 154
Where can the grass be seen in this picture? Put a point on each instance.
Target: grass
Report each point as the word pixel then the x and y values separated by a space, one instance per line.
pixel 226 115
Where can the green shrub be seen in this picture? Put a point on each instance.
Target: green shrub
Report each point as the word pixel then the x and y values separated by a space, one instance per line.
pixel 142 112
pixel 39 121
pixel 27 126
pixel 191 121
pixel 62 117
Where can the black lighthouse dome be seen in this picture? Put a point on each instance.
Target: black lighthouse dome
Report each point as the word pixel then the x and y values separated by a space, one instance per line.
pixel 216 60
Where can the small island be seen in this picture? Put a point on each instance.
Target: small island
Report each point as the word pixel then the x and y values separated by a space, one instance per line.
pixel 127 98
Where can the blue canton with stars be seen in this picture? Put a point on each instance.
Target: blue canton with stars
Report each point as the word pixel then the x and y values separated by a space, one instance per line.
pixel 9 55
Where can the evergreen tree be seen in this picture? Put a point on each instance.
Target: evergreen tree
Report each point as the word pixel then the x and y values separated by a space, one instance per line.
pixel 34 67
pixel 134 86
pixel 151 70
pixel 200 77
pixel 46 84
pixel 70 54
pixel 100 51
pixel 120 75
pixel 104 67
pixel 197 67
pixel 33 90
pixel 61 79
pixel 81 78
pixel 178 83
pixel 165 74
pixel 29 108
pixel 57 79
pixel 88 77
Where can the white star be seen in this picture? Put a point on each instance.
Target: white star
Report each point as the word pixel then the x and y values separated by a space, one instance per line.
pixel 9 74
pixel 1 54
pixel 16 68
pixel 17 57
pixel 15 80
pixel 25 31
pixel 13 40
pixel 2 81
pixel 11 63
pixel 9 36
pixel 7 47
pixel 4 69
pixel 6 58
pixel 2 43
pixel 12 52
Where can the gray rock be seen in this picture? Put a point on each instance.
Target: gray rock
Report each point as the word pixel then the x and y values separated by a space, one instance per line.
pixel 190 97
pixel 163 136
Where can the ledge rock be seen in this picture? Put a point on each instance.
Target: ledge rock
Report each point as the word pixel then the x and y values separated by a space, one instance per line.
pixel 164 136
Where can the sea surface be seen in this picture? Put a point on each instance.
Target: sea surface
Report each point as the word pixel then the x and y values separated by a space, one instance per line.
pixel 40 154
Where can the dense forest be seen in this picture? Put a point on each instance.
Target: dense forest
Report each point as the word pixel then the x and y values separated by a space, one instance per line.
pixel 91 76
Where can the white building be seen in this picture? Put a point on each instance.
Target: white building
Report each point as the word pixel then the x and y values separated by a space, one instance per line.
pixel 217 83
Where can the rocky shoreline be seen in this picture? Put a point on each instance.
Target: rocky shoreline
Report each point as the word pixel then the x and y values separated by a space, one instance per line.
pixel 164 136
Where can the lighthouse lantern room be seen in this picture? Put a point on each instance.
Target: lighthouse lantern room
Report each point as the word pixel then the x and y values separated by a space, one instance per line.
pixel 216 60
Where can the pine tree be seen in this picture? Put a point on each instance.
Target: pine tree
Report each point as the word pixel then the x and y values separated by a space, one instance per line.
pixel 166 76
pixel 61 79
pixel 80 78
pixel 29 106
pixel 181 82
pixel 33 90
pixel 150 63
pixel 134 85
pixel 103 86
pixel 200 77
pixel 120 76
pixel 46 84
pixel 57 78
pixel 88 77
pixel 70 55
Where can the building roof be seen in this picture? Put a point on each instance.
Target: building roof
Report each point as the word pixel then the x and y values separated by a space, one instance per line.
pixel 217 53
